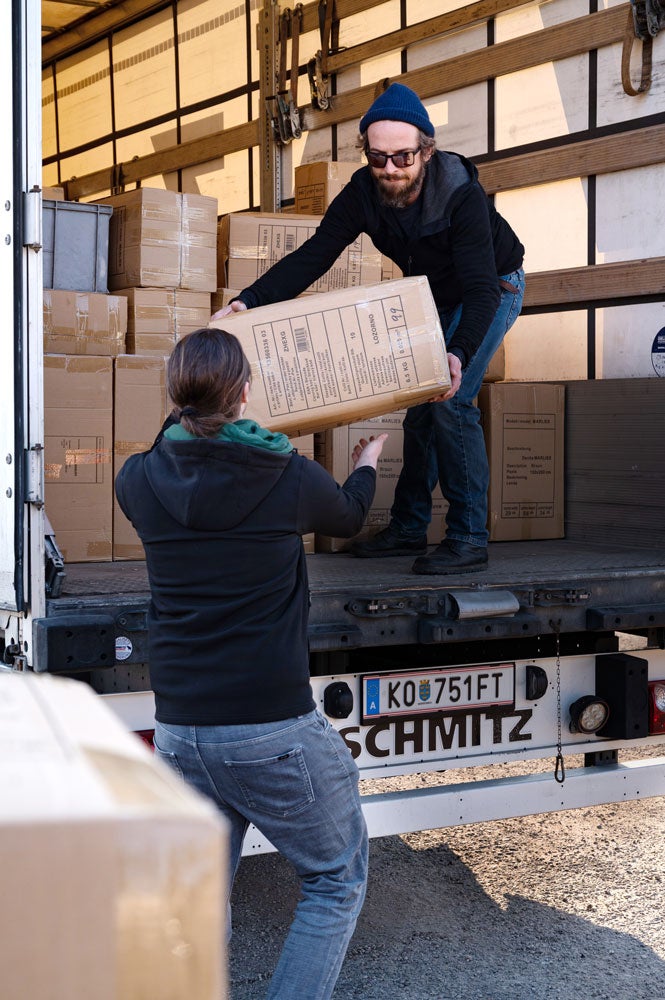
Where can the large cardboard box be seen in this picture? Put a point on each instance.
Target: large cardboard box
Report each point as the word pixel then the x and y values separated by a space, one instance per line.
pixel 113 870
pixel 192 311
pixel 162 239
pixel 524 433
pixel 250 243
pixel 322 361
pixel 140 407
pixel 84 323
pixel 316 184
pixel 333 449
pixel 158 317
pixel 198 243
pixel 144 239
pixel 78 428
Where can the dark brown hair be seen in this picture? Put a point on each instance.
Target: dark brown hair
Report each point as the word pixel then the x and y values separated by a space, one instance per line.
pixel 205 376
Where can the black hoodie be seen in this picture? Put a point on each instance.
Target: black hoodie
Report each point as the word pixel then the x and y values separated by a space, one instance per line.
pixel 460 242
pixel 221 525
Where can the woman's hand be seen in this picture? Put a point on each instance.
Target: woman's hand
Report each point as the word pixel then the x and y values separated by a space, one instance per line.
pixel 367 452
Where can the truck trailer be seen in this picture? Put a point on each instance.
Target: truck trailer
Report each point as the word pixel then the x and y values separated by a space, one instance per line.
pixel 538 684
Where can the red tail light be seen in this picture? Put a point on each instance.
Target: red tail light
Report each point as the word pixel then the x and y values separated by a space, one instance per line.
pixel 656 707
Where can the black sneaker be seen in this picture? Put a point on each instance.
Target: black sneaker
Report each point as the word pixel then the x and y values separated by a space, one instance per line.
pixel 452 557
pixel 389 542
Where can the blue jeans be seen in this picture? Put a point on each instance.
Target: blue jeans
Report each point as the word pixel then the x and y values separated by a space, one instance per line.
pixel 444 441
pixel 298 783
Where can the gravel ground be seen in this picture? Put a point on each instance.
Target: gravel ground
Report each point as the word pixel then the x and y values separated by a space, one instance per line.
pixel 553 907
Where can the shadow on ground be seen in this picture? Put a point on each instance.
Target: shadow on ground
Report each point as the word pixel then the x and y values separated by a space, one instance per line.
pixel 429 931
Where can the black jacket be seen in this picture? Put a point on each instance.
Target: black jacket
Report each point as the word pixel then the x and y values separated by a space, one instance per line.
pixel 462 244
pixel 221 525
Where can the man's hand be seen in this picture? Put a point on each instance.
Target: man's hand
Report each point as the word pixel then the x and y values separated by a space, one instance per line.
pixel 233 307
pixel 455 366
pixel 367 452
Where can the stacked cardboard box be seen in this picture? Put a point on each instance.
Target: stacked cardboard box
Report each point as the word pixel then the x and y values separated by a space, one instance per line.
pixel 158 317
pixel 162 239
pixel 84 323
pixel 524 433
pixel 78 417
pixel 162 257
pixel 250 243
pixel 140 406
pixel 316 184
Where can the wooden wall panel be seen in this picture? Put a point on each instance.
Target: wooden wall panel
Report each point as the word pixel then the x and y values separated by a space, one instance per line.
pixel 582 285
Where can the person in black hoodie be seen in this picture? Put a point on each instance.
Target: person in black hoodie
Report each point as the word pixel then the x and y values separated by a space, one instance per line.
pixel 220 505
pixel 426 210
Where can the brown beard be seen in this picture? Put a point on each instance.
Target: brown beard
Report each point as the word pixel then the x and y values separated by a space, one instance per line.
pixel 403 196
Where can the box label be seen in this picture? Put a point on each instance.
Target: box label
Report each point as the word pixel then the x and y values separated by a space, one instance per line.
pixel 529 469
pixel 75 459
pixel 335 355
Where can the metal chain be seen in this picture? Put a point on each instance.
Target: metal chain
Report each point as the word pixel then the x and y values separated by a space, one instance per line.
pixel 559 766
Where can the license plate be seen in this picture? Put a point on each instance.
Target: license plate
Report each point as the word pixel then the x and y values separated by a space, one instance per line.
pixel 416 692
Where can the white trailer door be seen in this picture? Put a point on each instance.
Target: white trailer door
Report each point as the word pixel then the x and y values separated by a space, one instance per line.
pixel 21 398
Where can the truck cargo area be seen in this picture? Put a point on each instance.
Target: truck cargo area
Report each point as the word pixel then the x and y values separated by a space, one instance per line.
pixel 536 596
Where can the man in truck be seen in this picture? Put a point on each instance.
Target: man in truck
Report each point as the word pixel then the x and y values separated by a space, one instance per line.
pixel 426 210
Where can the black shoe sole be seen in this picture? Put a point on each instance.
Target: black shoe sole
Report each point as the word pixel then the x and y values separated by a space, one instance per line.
pixel 432 569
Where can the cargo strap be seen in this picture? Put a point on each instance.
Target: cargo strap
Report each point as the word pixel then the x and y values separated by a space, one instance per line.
pixel 645 20
pixel 317 67
pixel 284 103
pixel 294 114
pixel 286 120
pixel 329 28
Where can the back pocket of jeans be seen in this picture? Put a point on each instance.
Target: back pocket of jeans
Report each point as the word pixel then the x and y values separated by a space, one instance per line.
pixel 169 759
pixel 275 786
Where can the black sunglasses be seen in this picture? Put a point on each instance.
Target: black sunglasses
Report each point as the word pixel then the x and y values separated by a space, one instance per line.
pixel 403 159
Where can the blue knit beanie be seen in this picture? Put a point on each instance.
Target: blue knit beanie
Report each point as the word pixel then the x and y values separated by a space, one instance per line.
pixel 398 104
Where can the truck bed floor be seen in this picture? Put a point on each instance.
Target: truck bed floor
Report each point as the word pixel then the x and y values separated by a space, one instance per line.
pixel 512 565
